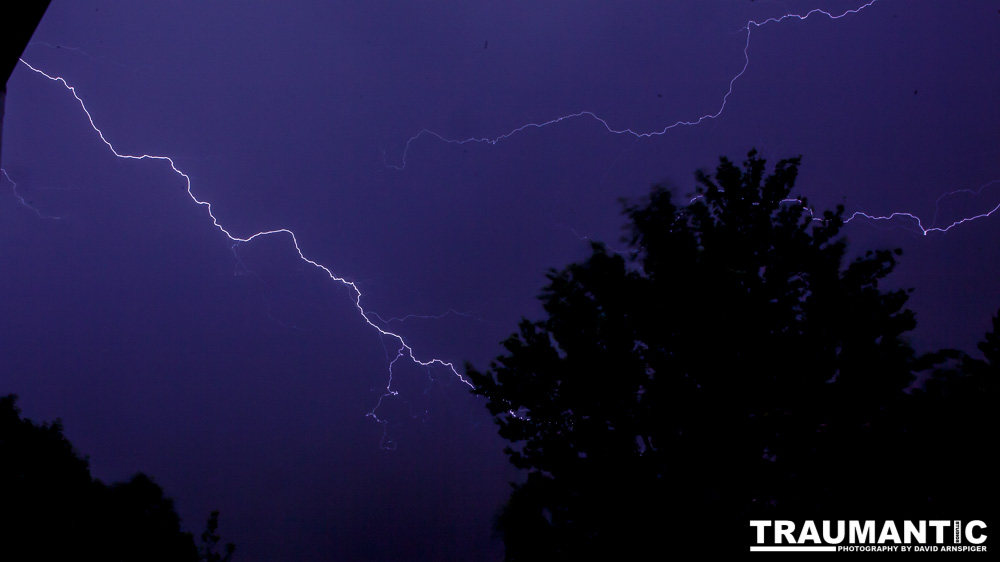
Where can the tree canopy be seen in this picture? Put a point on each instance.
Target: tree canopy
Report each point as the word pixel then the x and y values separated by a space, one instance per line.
pixel 53 509
pixel 731 364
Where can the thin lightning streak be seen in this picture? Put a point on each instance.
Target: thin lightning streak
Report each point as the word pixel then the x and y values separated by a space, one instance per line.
pixel 405 351
pixel 926 230
pixel 89 56
pixel 638 135
pixel 589 240
pixel 24 201
pixel 725 99
pixel 919 222
pixel 449 312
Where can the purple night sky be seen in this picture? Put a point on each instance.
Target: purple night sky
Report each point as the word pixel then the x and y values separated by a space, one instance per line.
pixel 240 377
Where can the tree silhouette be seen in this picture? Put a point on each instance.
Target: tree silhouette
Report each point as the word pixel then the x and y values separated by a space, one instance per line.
pixel 210 540
pixel 731 366
pixel 951 427
pixel 53 509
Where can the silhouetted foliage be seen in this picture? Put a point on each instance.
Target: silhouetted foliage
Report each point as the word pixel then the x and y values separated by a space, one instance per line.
pixel 52 509
pixel 951 422
pixel 731 367
pixel 210 540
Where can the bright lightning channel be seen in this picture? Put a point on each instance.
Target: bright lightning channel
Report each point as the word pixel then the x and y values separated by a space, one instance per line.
pixel 403 352
pixel 751 24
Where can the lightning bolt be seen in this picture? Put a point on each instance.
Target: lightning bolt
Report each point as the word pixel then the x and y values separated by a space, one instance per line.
pixel 899 214
pixel 919 223
pixel 637 134
pixel 403 352
pixel 750 25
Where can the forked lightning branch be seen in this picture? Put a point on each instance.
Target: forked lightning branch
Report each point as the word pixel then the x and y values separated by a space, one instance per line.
pixel 932 535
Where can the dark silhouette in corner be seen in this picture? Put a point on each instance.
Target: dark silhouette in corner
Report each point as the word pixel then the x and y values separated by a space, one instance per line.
pixel 731 367
pixel 17 24
pixel 53 509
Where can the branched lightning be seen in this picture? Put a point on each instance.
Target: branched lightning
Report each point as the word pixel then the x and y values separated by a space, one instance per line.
pixel 403 352
pixel 627 131
pixel 919 223
pixel 751 24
